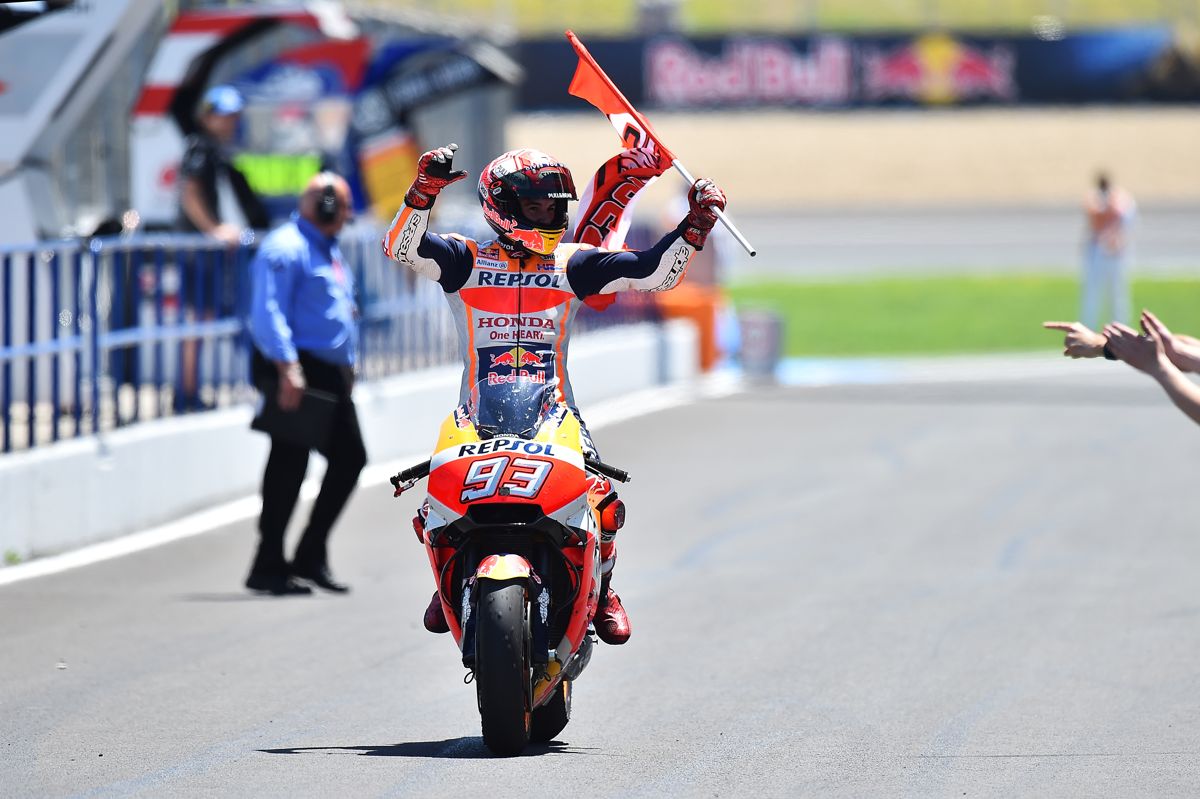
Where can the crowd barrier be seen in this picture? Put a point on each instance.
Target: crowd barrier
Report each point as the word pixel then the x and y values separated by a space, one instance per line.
pixel 101 334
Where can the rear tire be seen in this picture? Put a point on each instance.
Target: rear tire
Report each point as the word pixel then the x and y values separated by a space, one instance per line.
pixel 550 719
pixel 502 676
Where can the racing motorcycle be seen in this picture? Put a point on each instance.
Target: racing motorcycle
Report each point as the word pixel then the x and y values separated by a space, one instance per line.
pixel 512 525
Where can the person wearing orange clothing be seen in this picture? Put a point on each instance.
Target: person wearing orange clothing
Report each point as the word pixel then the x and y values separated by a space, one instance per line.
pixel 514 298
pixel 1110 213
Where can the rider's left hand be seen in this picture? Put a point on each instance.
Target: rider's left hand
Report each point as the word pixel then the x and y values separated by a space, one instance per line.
pixel 704 199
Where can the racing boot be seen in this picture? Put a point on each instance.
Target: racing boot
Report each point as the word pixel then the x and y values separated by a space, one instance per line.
pixel 612 623
pixel 435 617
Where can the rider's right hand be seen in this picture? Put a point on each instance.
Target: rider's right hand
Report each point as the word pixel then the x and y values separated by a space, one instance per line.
pixel 435 171
pixel 291 386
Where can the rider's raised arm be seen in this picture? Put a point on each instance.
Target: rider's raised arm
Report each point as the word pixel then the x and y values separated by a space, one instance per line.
pixel 446 260
pixel 657 269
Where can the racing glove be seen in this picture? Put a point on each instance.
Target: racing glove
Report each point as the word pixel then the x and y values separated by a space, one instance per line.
pixel 703 200
pixel 435 171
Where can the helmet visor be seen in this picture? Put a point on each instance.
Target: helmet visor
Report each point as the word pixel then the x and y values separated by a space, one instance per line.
pixel 547 182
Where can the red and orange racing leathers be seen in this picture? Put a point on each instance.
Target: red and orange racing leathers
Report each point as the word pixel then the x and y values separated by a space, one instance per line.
pixel 514 314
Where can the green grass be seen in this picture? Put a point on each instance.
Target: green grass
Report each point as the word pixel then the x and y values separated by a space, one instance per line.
pixel 944 315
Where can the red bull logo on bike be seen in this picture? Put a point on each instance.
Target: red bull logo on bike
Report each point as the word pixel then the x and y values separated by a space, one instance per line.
pixel 938 69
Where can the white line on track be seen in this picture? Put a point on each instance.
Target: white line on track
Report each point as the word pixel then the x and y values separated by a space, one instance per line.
pixel 597 416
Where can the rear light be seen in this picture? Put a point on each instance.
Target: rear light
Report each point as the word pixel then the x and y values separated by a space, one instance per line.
pixel 612 517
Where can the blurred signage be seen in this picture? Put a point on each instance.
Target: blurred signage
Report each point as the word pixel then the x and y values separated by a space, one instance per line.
pixel 936 69
pixel 312 102
pixel 277 175
pixel 415 81
pixel 750 71
pixel 403 78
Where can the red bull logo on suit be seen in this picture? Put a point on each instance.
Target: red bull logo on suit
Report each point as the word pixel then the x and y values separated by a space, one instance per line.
pixel 517 357
pixel 512 364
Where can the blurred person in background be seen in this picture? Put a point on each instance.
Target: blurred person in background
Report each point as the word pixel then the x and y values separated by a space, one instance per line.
pixel 304 323
pixel 214 199
pixel 1110 212
pixel 524 281
pixel 1158 352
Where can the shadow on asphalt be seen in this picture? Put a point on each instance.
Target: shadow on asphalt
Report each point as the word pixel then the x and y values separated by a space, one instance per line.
pixel 237 596
pixel 450 749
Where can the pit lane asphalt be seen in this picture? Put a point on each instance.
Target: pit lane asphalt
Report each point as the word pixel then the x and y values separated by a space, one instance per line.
pixel 928 588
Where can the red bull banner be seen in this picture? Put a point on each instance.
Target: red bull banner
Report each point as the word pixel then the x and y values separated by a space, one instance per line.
pixel 920 69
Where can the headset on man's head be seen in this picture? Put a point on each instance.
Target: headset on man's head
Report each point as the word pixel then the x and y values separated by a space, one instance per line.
pixel 328 203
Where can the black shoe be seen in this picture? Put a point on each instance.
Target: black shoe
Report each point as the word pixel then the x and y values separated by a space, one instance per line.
pixel 275 584
pixel 321 577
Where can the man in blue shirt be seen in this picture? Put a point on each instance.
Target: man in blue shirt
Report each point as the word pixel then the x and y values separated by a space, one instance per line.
pixel 303 320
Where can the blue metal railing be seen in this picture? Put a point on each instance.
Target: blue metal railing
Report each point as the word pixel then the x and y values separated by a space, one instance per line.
pixel 102 334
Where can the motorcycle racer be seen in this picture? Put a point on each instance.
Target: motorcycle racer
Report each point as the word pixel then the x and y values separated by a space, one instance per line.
pixel 514 298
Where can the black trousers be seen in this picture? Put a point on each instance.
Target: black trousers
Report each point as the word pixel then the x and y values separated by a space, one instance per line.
pixel 288 463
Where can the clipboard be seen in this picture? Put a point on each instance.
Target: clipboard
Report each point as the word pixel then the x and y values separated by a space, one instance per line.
pixel 307 426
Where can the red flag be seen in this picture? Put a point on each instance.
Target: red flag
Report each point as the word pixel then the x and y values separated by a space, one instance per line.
pixel 607 199
pixel 591 84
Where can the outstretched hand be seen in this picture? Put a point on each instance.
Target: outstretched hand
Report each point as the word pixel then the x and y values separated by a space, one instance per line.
pixel 1182 351
pixel 1144 353
pixel 1080 341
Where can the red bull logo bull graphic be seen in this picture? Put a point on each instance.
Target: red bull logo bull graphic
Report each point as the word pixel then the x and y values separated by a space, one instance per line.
pixel 516 363
pixel 516 358
pixel 938 69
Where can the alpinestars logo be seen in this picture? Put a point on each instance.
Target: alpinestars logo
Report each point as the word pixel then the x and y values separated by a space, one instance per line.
pixel 406 238
pixel 675 273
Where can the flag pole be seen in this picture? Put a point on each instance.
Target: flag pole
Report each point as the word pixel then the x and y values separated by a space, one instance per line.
pixel 726 221
pixel 585 56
